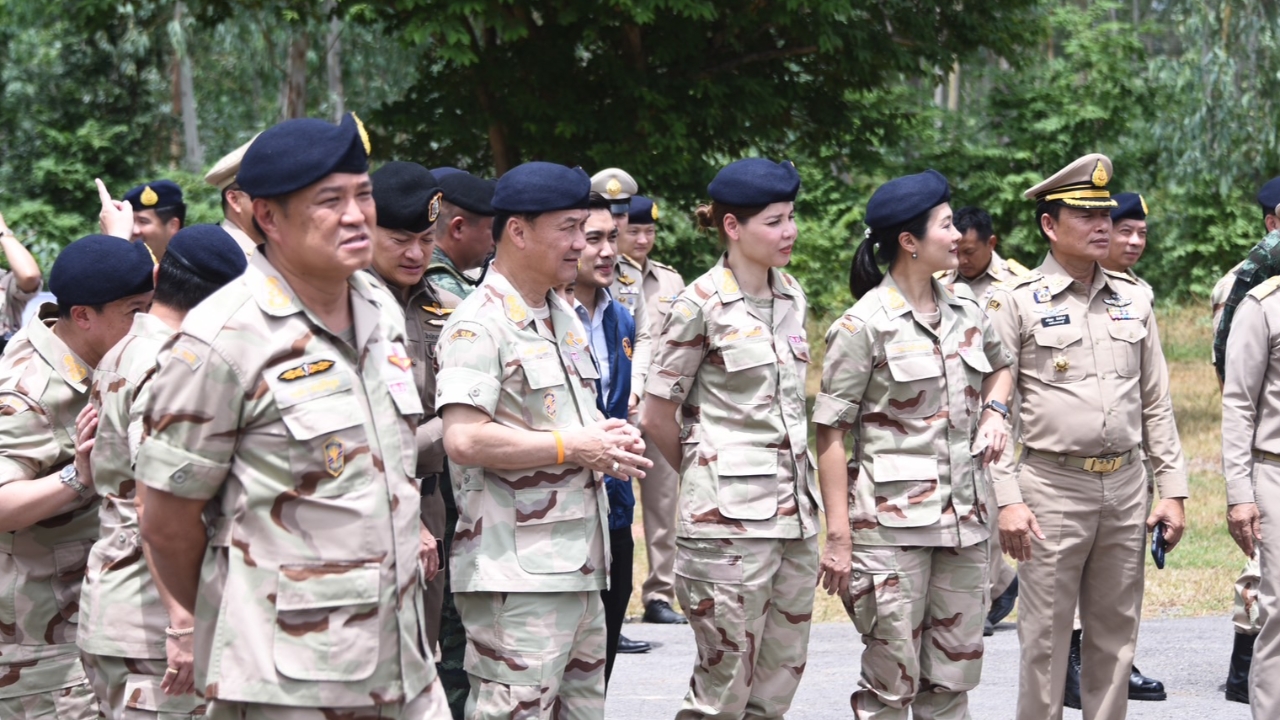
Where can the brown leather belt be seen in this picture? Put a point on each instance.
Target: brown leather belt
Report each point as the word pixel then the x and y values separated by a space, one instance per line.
pixel 1102 464
pixel 1264 455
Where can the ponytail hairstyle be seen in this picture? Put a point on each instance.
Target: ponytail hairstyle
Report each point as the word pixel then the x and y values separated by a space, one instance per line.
pixel 711 217
pixel 882 245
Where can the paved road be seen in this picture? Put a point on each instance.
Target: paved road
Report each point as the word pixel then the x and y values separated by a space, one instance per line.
pixel 1189 655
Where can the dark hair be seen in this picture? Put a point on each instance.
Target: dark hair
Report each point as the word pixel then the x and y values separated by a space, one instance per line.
pixel 64 311
pixel 169 212
pixel 881 244
pixel 597 201
pixel 975 219
pixel 500 219
pixel 711 217
pixel 1052 209
pixel 449 211
pixel 180 288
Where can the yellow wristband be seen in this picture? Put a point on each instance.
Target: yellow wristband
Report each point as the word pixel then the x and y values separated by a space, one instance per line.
pixel 559 447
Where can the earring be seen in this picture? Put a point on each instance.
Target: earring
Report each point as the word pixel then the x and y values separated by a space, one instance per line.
pixel 915 256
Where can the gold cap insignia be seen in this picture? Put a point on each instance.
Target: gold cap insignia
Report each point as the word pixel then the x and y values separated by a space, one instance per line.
pixel 364 135
pixel 654 212
pixel 334 456
pixel 433 207
pixel 1100 175
pixel 305 370
pixel 149 196
pixel 1143 200
pixel 613 188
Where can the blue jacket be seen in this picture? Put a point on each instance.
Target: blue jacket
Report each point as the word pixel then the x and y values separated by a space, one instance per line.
pixel 620 335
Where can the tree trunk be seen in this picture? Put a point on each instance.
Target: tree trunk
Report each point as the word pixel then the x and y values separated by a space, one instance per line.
pixel 334 62
pixel 293 93
pixel 953 88
pixel 187 94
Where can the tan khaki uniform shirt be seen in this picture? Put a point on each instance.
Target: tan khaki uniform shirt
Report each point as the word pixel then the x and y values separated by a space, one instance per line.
pixel 121 614
pixel 1251 391
pixel 242 238
pixel 311 590
pixel 43 386
pixel 745 468
pixel 628 291
pixel 911 397
pixel 535 529
pixel 998 270
pixel 1090 372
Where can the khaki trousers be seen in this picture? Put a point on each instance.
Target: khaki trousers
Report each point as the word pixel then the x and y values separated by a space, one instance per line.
pixel 432 514
pixel 1264 675
pixel 1095 533
pixel 659 491
pixel 428 705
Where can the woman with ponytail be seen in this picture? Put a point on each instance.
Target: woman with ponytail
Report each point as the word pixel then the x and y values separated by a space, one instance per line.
pixel 731 362
pixel 919 379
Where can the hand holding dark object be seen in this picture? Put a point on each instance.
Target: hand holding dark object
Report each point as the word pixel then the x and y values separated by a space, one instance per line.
pixel 1158 545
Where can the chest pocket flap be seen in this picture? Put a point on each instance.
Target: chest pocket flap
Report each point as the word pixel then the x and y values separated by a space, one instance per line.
pixel 1130 331
pixel 747 483
pixel 1058 337
pixel 913 360
pixel 975 358
pixel 743 355
pixel 317 404
pixel 544 373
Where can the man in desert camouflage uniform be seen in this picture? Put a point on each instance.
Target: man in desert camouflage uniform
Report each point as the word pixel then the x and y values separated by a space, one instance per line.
pixel 48 513
pixel 408 203
pixel 527 447
pixel 286 403
pixel 1074 502
pixel 128 627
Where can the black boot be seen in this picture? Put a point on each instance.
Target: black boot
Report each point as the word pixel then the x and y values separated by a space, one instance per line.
pixel 1001 607
pixel 1142 687
pixel 1071 693
pixel 1238 673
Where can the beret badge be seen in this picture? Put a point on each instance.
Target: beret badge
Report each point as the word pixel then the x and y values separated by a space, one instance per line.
pixel 433 207
pixel 149 197
pixel 654 211
pixel 1143 200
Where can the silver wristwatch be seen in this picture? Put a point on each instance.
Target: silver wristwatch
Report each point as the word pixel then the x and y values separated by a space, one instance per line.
pixel 70 477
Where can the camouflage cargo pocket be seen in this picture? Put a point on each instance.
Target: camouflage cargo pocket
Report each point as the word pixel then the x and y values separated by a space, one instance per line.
pixel 551 530
pixel 1126 337
pixel 747 483
pixel 752 368
pixel 327 622
pixel 874 603
pixel 907 491
pixel 144 700
pixel 915 367
pixel 709 586
pixel 69 562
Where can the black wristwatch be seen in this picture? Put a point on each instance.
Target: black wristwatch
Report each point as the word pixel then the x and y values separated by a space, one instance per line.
pixel 998 407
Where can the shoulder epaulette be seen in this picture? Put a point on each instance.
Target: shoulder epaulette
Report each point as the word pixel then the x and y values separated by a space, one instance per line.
pixel 207 319
pixel 1121 276
pixel 1018 268
pixel 664 266
pixel 1266 288
pixel 1017 281
pixel 941 275
pixel 962 291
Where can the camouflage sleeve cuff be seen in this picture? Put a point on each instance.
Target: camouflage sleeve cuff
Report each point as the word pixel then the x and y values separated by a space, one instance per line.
pixel 833 412
pixel 1240 491
pixel 464 386
pixel 666 384
pixel 178 472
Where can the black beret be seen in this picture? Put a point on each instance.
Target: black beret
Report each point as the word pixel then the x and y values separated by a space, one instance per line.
pixel 296 153
pixel 1269 195
pixel 643 211
pixel 155 194
pixel 444 171
pixel 98 269
pixel 469 192
pixel 207 251
pixel 1129 206
pixel 755 182
pixel 901 199
pixel 537 187
pixel 407 196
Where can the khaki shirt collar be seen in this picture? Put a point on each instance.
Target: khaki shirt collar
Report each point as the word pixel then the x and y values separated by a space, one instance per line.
pixel 58 355
pixel 1057 279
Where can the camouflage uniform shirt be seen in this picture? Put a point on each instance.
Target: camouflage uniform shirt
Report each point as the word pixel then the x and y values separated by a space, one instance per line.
pixel 910 396
pixel 44 386
pixel 1262 262
pixel 538 529
pixel 443 274
pixel 121 614
pixel 310 594
pixel 745 470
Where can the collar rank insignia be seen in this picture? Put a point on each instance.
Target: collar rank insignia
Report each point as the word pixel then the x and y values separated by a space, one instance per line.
pixel 626 280
pixel 400 361
pixel 305 370
pixel 515 308
pixel 75 371
pixel 1042 294
pixel 334 456
pixel 1117 300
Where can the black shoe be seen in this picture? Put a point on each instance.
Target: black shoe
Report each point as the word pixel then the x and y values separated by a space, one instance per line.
pixel 1238 673
pixel 1071 693
pixel 1003 605
pixel 1142 687
pixel 627 646
pixel 988 629
pixel 659 611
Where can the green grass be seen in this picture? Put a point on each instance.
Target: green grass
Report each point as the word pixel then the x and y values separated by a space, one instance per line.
pixel 1200 573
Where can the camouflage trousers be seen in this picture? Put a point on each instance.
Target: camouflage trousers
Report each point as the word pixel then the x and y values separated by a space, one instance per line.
pixel 130 688
pixel 534 655
pixel 70 703
pixel 920 611
pixel 1245 610
pixel 750 604
pixel 428 705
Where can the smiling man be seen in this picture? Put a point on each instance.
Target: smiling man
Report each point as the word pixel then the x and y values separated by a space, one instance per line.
pixel 285 409
pixel 1073 498
pixel 1128 237
pixel 158 214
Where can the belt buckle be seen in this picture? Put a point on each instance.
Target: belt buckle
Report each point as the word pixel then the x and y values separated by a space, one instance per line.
pixel 1103 465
